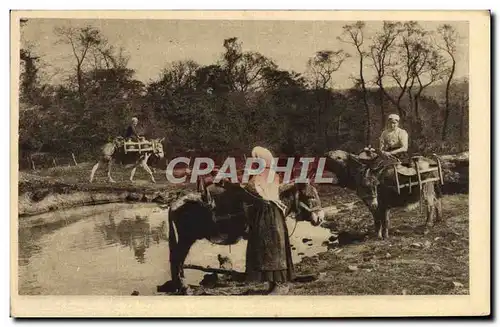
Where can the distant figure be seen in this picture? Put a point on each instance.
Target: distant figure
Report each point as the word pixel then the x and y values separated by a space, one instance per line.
pixel 224 262
pixel 394 140
pixel 131 133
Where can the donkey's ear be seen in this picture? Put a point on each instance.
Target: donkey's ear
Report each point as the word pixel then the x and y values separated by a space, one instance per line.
pixel 286 187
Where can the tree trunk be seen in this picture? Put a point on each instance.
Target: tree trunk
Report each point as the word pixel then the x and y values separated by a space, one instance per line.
pixel 325 125
pixel 79 78
pixel 397 104
pixel 382 111
pixel 338 130
pixel 462 127
pixel 318 123
pixel 418 118
pixel 447 100
pixel 365 101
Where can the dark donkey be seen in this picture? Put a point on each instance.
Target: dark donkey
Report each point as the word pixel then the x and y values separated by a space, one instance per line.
pixel 218 215
pixel 378 188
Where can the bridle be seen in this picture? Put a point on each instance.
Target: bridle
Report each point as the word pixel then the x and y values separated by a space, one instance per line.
pixel 298 207
pixel 362 184
pixel 156 147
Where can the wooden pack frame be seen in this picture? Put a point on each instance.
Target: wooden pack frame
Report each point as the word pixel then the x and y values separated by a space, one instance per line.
pixel 419 181
pixel 142 146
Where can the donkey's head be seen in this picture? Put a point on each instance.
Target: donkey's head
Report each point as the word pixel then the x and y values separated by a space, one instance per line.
pixel 367 187
pixel 303 200
pixel 158 147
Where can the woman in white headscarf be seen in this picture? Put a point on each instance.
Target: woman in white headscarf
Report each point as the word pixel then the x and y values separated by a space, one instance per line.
pixel 268 257
pixel 394 139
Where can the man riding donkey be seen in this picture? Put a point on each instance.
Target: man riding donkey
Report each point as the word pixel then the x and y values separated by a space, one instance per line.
pixel 130 148
pixel 131 133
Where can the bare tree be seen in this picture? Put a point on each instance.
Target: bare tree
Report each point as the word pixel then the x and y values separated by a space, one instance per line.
pixel 449 37
pixel 353 34
pixel 250 71
pixel 231 57
pixel 427 71
pixel 381 51
pixel 244 70
pixel 82 42
pixel 463 100
pixel 29 69
pixel 410 53
pixel 323 65
pixel 320 69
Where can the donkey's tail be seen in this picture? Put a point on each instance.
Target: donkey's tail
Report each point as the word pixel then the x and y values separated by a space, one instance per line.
pixel 172 232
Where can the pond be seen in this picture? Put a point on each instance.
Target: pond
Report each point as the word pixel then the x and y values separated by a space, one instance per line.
pixel 106 250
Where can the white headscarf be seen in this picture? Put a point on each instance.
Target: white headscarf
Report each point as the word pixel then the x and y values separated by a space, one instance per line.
pixel 263 153
pixel 267 190
pixel 393 117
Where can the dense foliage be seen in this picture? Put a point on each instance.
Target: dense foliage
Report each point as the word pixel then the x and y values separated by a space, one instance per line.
pixel 245 99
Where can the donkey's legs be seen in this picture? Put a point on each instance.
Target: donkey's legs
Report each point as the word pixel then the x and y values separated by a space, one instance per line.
pixel 429 222
pixel 94 169
pixel 385 217
pixel 144 165
pixel 132 173
pixel 110 163
pixel 377 219
pixel 430 201
pixel 178 257
pixel 438 206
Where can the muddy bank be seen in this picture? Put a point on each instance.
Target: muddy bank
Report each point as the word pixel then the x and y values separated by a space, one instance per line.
pixel 38 197
pixel 409 263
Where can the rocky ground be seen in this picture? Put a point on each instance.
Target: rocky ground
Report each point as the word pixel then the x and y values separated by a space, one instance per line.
pixel 355 263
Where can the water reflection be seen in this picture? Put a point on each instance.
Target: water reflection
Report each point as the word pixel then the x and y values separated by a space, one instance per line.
pixel 27 245
pixel 114 254
pixel 135 233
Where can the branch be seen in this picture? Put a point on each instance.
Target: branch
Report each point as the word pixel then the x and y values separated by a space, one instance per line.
pixel 74 50
pixel 213 270
pixel 396 78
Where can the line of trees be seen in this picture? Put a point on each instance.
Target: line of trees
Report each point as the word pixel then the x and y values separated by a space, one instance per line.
pixel 245 98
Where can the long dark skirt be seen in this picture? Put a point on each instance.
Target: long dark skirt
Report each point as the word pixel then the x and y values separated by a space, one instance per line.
pixel 268 257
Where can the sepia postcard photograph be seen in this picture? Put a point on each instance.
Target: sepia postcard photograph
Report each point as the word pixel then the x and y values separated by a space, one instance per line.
pixel 250 163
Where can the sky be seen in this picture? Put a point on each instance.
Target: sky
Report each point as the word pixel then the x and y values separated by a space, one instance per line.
pixel 153 44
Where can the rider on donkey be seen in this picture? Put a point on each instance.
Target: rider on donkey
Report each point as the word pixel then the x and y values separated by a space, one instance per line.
pixel 394 140
pixel 268 257
pixel 131 132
